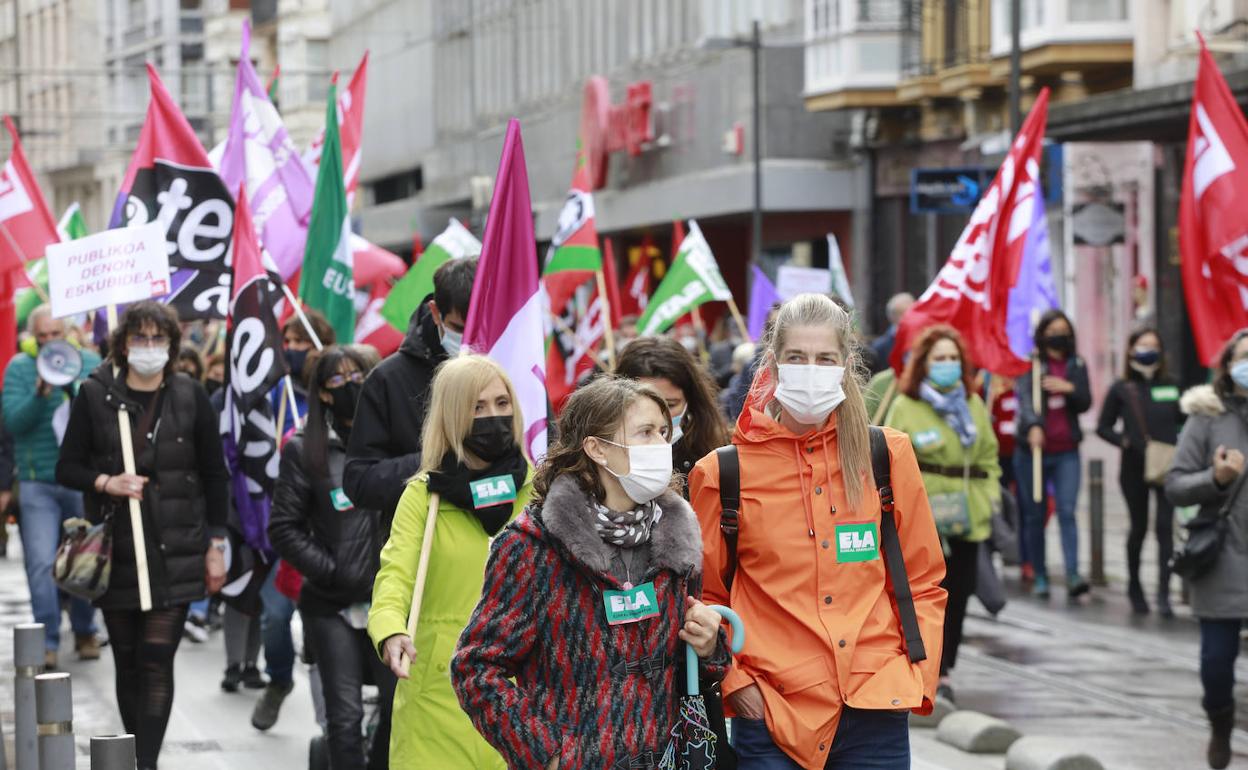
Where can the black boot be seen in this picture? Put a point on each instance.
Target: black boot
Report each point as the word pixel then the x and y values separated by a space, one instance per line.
pixel 1163 588
pixel 1135 592
pixel 1220 725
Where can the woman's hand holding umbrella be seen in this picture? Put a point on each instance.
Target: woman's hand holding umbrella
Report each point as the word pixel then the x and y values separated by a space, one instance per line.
pixel 701 629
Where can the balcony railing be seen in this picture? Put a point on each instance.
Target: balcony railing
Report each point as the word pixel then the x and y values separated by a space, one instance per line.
pixel 855 44
pixel 1047 22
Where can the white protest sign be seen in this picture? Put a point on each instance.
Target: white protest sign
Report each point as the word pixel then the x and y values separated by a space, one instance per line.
pixel 792 280
pixel 109 268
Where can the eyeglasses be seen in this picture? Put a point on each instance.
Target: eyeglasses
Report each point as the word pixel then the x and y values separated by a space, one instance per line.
pixel 338 380
pixel 144 341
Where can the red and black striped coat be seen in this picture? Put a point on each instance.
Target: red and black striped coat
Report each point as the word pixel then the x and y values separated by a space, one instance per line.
pixel 540 671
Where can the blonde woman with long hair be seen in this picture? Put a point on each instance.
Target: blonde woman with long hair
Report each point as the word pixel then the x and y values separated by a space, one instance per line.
pixel 471 458
pixel 827 675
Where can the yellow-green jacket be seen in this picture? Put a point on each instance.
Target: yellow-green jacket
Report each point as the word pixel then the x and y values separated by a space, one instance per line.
pixel 936 444
pixel 428 729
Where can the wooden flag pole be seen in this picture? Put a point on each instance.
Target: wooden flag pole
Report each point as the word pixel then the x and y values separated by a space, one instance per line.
pixel 136 509
pixel 736 316
pixel 884 402
pixel 607 332
pixel 422 573
pixel 294 405
pixel 1037 454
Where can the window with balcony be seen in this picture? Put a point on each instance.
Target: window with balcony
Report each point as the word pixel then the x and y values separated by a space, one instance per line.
pixel 1099 10
pixel 318 69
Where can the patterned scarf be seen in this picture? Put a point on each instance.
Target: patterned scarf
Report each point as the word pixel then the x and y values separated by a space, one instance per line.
pixel 627 529
pixel 953 407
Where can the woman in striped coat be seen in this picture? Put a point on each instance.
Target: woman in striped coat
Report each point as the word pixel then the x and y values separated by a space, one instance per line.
pixel 571 658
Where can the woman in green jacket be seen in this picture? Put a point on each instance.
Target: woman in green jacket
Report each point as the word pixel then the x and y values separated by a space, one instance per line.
pixel 471 458
pixel 957 451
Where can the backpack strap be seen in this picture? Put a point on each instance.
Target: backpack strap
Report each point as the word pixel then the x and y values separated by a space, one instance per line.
pixel 730 504
pixel 891 541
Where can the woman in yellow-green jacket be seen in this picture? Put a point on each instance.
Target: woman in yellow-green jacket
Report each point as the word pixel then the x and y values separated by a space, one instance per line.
pixel 948 425
pixel 471 458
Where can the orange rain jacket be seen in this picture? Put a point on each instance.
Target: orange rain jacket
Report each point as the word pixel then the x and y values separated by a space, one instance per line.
pixel 819 633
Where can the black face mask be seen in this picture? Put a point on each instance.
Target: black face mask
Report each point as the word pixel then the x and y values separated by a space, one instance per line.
pixel 294 361
pixel 343 404
pixel 212 386
pixel 491 438
pixel 1060 343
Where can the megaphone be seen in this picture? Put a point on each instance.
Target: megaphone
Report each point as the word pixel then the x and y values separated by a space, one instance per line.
pixel 58 363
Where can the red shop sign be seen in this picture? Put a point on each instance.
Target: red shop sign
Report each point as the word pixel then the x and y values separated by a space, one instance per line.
pixel 608 128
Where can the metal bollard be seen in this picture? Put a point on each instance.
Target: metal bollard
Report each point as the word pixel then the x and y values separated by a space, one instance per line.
pixel 1096 506
pixel 112 752
pixel 54 708
pixel 28 660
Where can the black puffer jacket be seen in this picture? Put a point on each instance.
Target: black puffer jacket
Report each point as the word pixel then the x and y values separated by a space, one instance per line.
pixel 185 500
pixel 383 452
pixel 315 527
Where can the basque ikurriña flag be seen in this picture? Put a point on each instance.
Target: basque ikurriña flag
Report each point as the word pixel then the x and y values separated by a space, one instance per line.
pixel 170 180
pixel 256 365
pixel 972 291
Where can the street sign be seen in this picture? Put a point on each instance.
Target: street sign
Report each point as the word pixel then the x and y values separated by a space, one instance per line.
pixel 947 190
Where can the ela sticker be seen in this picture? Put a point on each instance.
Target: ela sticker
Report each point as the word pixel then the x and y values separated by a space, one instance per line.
pixel 340 500
pixel 494 490
pixel 928 439
pixel 631 604
pixel 857 542
pixel 1165 393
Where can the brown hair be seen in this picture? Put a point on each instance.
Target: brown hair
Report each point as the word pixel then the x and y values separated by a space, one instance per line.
pixel 1136 336
pixel 664 357
pixel 916 367
pixel 597 410
pixel 1222 382
pixel 853 437
pixel 320 325
pixel 457 384
pixel 138 315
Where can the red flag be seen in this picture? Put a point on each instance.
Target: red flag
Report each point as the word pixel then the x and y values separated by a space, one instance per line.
pixel 972 291
pixel 26 224
pixel 170 179
pixel 8 321
pixel 350 129
pixel 375 267
pixel 637 284
pixel 611 279
pixel 1213 233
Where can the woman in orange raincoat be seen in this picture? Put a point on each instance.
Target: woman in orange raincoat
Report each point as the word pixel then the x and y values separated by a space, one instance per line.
pixel 825 679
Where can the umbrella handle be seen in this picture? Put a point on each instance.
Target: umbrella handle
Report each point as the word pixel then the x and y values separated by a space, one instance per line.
pixel 691 657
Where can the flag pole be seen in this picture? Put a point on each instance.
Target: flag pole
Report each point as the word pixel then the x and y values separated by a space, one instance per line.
pixel 607 332
pixel 281 419
pixel 736 316
pixel 307 325
pixel 294 405
pixel 422 573
pixel 1037 454
pixel 43 295
pixel 136 511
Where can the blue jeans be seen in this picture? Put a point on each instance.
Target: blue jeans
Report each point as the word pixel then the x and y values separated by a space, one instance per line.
pixel 279 645
pixel 1064 470
pixel 865 740
pixel 44 507
pixel 1219 646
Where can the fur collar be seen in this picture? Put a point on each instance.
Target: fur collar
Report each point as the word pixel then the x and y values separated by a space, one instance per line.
pixel 1202 400
pixel 675 542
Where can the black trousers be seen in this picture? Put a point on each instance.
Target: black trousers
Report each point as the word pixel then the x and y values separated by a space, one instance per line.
pixel 1135 492
pixel 961 569
pixel 346 660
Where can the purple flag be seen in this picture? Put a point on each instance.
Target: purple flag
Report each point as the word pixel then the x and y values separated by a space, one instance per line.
pixel 260 154
pixel 763 296
pixel 1033 292
pixel 505 314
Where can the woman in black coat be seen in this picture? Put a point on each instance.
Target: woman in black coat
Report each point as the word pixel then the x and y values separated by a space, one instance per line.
pixel 336 546
pixel 1147 402
pixel 182 485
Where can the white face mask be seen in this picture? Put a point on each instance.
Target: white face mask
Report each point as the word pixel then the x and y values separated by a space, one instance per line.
pixel 147 361
pixel 649 470
pixel 809 392
pixel 452 341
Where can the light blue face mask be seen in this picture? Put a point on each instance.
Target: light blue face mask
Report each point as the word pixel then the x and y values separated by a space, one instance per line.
pixel 945 374
pixel 676 431
pixel 452 341
pixel 1239 373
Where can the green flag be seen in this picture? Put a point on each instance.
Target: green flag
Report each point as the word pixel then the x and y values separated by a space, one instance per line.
pixel 71 227
pixel 692 280
pixel 406 295
pixel 327 283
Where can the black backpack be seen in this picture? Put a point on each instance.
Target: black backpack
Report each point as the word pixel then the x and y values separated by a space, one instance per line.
pixel 729 521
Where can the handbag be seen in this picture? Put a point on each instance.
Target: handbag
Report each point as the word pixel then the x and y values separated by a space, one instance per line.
pixel 952 510
pixel 1158 455
pixel 84 558
pixel 1199 552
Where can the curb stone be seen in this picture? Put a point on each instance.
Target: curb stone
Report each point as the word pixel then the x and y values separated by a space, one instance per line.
pixel 1046 753
pixel 977 733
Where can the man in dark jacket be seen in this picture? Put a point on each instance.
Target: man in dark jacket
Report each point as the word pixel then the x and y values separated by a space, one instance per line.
pixel 384 448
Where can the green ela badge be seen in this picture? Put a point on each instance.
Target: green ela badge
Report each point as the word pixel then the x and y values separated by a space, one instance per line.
pixel 494 490
pixel 857 542
pixel 928 438
pixel 631 604
pixel 1165 393
pixel 340 500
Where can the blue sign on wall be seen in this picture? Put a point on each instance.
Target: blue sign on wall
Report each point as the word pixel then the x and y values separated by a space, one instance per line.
pixel 947 190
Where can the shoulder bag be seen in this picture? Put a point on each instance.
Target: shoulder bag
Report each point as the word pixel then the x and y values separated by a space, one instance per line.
pixel 1199 552
pixel 84 559
pixel 1158 455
